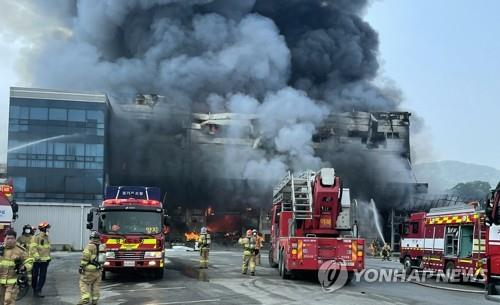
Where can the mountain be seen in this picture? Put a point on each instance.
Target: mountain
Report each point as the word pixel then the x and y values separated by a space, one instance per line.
pixel 444 175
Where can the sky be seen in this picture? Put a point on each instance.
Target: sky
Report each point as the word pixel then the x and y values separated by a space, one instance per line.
pixel 443 55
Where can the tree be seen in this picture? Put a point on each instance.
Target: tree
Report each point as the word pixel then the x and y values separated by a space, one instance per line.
pixel 474 190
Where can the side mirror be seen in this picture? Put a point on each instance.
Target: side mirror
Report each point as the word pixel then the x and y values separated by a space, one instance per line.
pixel 90 217
pixel 15 207
pixel 90 226
pixel 400 228
pixel 165 220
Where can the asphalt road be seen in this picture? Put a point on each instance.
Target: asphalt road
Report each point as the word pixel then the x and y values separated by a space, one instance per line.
pixel 222 283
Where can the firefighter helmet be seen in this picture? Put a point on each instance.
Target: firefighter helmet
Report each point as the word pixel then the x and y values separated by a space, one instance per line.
pixel 94 235
pixel 203 230
pixel 43 226
pixel 28 229
pixel 249 232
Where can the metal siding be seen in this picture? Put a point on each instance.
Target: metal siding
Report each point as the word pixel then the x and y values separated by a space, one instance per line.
pixel 67 224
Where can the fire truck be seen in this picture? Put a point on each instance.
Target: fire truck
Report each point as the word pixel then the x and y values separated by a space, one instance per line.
pixel 311 225
pixel 462 241
pixel 492 220
pixel 132 223
pixel 8 206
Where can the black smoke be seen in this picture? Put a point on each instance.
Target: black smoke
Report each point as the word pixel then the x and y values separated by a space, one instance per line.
pixel 291 62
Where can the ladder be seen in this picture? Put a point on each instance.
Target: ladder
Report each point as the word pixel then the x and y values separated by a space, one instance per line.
pixel 295 194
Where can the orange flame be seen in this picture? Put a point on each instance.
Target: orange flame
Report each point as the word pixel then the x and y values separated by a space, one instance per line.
pixel 191 236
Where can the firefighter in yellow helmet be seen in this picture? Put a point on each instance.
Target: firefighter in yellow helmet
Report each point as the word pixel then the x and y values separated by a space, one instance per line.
pixel 90 271
pixel 42 258
pixel 248 242
pixel 204 245
pixel 13 260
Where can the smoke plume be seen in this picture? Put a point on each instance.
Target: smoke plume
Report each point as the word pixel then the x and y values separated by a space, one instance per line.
pixel 288 62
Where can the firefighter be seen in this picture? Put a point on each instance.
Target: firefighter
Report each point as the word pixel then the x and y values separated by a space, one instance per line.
pixel 248 242
pixel 90 271
pixel 259 242
pixel 42 259
pixel 13 260
pixel 26 241
pixel 374 248
pixel 386 252
pixel 204 245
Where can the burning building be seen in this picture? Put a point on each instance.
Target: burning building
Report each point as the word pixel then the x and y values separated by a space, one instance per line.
pixel 246 90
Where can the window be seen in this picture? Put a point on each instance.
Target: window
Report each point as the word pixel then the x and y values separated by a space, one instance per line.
pixel 451 239
pixel 37 113
pixel 94 115
pixel 37 163
pixel 414 227
pixel 14 112
pixel 19 184
pixel 58 164
pixel 75 149
pixel 94 150
pixel 38 149
pixel 58 114
pixel 59 148
pixel 17 112
pixel 76 115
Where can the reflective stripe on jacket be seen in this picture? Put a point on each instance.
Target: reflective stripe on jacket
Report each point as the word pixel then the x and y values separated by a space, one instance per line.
pixel 42 243
pixel 8 275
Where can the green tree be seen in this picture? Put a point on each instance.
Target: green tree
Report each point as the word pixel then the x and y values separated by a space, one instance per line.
pixel 474 190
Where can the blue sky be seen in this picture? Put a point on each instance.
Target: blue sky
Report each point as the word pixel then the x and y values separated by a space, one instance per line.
pixel 445 57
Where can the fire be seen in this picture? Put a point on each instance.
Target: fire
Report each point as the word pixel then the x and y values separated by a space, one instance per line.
pixel 191 236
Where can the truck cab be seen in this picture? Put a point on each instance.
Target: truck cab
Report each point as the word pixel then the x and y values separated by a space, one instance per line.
pixel 131 222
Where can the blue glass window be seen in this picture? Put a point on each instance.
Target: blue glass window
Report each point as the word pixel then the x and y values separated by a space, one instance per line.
pixel 75 149
pixel 94 150
pixel 58 114
pixel 19 184
pixel 38 113
pixel 59 148
pixel 15 112
pixel 76 115
pixel 95 115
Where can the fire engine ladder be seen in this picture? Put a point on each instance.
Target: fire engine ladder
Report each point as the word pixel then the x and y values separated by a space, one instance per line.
pixel 302 195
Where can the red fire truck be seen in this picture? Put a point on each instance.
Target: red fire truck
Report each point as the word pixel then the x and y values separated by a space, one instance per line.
pixel 132 223
pixel 449 239
pixel 311 224
pixel 492 220
pixel 8 206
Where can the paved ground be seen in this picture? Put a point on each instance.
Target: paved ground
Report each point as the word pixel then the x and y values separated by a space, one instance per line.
pixel 222 283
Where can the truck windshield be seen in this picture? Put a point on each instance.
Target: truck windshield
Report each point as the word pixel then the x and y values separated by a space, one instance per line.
pixel 130 222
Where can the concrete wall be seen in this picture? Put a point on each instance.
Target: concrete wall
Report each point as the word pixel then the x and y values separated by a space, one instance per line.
pixel 68 221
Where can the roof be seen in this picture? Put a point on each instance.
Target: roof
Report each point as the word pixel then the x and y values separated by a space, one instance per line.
pixel 35 93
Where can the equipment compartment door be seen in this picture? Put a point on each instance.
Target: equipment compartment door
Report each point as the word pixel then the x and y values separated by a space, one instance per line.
pixel 466 240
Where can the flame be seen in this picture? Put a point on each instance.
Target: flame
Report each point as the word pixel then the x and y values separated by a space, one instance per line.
pixel 191 236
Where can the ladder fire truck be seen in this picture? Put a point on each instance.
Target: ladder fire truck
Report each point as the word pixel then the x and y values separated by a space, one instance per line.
pixel 311 224
pixel 462 241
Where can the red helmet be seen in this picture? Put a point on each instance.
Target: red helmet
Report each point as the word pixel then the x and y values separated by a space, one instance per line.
pixel 43 225
pixel 249 232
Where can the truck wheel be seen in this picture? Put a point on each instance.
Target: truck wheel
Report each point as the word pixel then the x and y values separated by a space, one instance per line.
pixel 103 275
pixel 159 274
pixel 407 266
pixel 350 276
pixel 283 272
pixel 272 264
